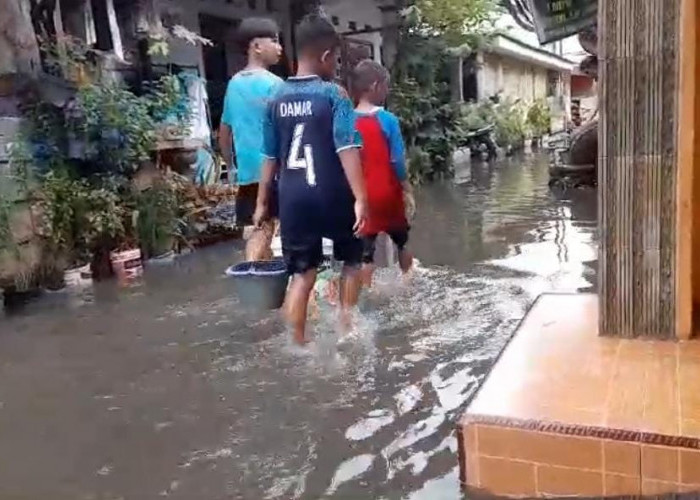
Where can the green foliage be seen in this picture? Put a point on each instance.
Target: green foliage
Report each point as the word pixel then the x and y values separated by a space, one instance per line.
pixel 420 95
pixel 65 56
pixel 119 125
pixel 510 124
pixel 508 118
pixel 458 22
pixel 79 217
pixel 156 217
pixel 6 240
pixel 167 99
pixel 539 118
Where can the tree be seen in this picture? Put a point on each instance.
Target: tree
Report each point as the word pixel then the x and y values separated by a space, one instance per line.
pixel 19 51
pixel 458 22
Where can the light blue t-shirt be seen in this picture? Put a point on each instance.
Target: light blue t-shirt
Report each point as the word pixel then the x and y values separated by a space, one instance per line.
pixel 245 109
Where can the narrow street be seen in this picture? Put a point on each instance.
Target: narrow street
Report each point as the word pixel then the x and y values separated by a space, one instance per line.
pixel 170 390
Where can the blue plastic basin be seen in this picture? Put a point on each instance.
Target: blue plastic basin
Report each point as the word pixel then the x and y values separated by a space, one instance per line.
pixel 260 285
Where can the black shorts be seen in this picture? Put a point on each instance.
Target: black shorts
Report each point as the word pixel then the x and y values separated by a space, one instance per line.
pixel 369 243
pixel 247 200
pixel 304 253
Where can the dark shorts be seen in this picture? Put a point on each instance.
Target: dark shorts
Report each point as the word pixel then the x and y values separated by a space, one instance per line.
pixel 369 243
pixel 247 200
pixel 302 254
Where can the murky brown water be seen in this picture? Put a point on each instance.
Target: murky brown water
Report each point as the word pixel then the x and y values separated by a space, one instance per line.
pixel 169 390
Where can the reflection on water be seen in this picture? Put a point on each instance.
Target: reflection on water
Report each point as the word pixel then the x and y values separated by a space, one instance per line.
pixel 170 390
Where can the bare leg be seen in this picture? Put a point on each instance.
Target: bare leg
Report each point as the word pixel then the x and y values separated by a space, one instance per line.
pixel 350 285
pixel 367 275
pixel 297 302
pixel 405 260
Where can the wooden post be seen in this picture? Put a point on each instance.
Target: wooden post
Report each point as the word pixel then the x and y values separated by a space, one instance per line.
pixel 117 46
pixel 638 169
pixel 686 169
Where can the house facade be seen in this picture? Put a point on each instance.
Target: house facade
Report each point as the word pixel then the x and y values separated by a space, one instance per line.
pixel 514 66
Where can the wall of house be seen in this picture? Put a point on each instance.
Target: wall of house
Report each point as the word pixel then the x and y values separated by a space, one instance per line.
pixel 188 12
pixel 363 15
pixel 511 77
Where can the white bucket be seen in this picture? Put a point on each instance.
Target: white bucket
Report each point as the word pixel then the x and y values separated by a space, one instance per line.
pixel 79 277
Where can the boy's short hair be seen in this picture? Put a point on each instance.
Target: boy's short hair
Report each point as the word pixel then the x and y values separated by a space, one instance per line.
pixel 315 32
pixel 256 27
pixel 365 74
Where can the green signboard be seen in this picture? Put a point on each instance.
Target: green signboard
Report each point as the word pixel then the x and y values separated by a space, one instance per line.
pixel 558 19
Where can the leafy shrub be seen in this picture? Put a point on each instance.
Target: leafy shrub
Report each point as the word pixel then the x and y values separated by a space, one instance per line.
pixel 156 217
pixel 116 125
pixel 510 124
pixel 539 118
pixel 79 217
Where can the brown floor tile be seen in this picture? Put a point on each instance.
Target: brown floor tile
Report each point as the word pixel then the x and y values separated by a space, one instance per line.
pixel 661 408
pixel 651 487
pixel 660 463
pixel 690 428
pixel 690 466
pixel 564 482
pixel 472 472
pixel 541 448
pixel 506 477
pixel 471 455
pixel 617 485
pixel 470 441
pixel 689 349
pixel 622 458
pixel 690 488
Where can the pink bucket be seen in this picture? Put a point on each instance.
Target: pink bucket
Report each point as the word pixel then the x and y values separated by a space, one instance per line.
pixel 127 265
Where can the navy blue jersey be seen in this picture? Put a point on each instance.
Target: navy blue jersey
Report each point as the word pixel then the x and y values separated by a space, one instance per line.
pixel 309 122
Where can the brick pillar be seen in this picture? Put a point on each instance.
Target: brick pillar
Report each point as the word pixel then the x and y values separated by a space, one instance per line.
pixel 640 60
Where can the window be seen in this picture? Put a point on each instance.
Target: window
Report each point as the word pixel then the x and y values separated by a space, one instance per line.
pixel 352 25
pixel 251 4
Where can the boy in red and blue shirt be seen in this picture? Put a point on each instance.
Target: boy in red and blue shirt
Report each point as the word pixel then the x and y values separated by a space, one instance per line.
pixel 389 194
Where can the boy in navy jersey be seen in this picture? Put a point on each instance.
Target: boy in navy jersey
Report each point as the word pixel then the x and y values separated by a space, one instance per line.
pixel 310 140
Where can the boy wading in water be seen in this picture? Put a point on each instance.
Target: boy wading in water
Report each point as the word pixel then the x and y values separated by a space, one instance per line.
pixel 389 194
pixel 310 139
pixel 245 106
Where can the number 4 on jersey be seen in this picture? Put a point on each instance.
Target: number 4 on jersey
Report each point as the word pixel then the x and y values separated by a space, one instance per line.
pixel 302 158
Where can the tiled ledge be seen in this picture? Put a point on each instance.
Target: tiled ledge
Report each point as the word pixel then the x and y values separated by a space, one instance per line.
pixel 566 412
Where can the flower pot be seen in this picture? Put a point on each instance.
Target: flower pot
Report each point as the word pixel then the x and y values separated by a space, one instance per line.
pixel 127 265
pixel 162 259
pixel 78 277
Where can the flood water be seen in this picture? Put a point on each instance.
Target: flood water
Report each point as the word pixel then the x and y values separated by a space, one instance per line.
pixel 169 390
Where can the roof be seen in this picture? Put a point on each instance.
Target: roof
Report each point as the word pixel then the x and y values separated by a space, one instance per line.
pixel 512 47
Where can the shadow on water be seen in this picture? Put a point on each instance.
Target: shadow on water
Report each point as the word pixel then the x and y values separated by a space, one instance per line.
pixel 169 390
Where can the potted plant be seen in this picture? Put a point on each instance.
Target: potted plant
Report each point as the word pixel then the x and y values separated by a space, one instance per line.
pixel 539 120
pixel 156 220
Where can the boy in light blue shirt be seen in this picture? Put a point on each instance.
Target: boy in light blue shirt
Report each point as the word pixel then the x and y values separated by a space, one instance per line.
pixel 245 108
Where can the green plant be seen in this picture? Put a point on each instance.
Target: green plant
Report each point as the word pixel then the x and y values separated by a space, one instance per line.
pixel 118 123
pixel 156 219
pixel 458 22
pixel 510 124
pixel 7 242
pixel 64 56
pixel 168 103
pixel 539 118
pixel 420 94
pixel 79 218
